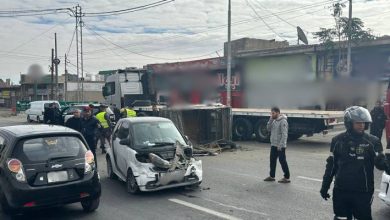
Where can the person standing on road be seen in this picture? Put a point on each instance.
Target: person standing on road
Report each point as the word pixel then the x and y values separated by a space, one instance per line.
pixel 90 126
pixel 353 155
pixel 106 125
pixel 378 120
pixel 117 112
pixel 48 114
pixel 278 126
pixel 75 122
pixel 128 112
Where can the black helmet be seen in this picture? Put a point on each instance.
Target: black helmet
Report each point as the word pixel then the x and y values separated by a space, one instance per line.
pixel 356 114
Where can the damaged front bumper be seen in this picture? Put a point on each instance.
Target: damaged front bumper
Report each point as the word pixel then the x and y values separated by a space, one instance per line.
pixel 149 178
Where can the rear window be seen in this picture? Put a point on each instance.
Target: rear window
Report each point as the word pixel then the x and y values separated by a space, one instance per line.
pixel 43 149
pixel 47 105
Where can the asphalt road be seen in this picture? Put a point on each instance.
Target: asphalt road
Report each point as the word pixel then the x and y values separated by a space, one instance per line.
pixel 232 189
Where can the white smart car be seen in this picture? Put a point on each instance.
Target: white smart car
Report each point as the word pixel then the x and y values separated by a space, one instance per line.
pixel 384 194
pixel 150 154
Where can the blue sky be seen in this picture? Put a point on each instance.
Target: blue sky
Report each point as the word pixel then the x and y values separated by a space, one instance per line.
pixel 172 32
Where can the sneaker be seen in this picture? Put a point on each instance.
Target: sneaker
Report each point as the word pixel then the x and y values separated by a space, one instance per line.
pixel 284 180
pixel 269 179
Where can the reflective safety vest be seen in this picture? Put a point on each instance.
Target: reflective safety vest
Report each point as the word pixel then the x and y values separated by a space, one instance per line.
pixel 131 113
pixel 101 117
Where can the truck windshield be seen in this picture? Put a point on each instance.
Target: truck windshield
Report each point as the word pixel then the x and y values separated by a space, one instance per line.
pixel 153 134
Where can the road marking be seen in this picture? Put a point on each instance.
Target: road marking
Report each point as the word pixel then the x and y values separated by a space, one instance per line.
pixel 308 178
pixel 206 210
pixel 318 180
pixel 234 207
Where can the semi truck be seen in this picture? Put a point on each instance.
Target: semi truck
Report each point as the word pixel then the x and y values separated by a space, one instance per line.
pixel 136 87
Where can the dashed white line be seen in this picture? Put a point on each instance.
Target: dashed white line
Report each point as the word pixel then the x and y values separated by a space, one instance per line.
pixel 309 178
pixel 203 209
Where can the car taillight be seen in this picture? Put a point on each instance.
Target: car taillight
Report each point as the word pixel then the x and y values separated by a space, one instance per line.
pixel 16 167
pixel 89 162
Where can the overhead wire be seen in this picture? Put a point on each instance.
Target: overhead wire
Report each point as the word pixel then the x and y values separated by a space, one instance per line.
pixel 269 27
pixel 218 27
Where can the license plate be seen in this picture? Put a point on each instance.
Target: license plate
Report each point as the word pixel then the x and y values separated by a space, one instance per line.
pixel 60 176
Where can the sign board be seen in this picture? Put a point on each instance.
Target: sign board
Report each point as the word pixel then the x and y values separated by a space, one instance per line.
pixel 88 87
pixel 5 94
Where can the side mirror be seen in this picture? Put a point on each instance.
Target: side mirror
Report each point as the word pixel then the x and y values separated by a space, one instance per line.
pixel 123 133
pixel 125 141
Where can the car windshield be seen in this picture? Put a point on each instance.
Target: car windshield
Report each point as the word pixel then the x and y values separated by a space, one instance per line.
pixel 154 134
pixel 49 148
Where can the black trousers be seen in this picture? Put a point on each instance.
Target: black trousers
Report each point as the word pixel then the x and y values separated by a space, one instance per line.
pixel 352 204
pixel 274 155
pixel 91 141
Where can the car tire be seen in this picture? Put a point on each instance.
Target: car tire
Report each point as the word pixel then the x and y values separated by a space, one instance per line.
pixel 242 129
pixel 90 205
pixel 131 183
pixel 110 171
pixel 29 119
pixel 261 132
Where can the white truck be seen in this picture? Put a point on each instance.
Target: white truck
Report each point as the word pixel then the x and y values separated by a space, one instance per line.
pixel 129 87
pixel 248 122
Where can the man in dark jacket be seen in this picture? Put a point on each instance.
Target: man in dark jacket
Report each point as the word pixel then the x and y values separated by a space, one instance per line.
pixel 353 155
pixel 49 114
pixel 89 128
pixel 75 122
pixel 117 113
pixel 378 120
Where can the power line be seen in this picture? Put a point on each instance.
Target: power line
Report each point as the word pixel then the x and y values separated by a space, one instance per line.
pixel 262 7
pixel 71 42
pixel 128 10
pixel 218 27
pixel 140 54
pixel 269 27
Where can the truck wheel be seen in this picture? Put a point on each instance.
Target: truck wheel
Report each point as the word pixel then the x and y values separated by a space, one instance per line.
pixel 262 134
pixel 242 129
pixel 293 137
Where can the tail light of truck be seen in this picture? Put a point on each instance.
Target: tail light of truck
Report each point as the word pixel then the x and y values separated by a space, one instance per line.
pixel 16 168
pixel 89 162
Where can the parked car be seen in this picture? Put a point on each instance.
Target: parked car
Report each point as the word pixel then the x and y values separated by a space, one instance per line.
pixel 43 166
pixel 36 111
pixel 150 154
pixel 68 112
pixel 384 194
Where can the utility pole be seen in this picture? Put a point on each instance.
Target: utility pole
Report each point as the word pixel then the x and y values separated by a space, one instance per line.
pixel 229 59
pixel 77 52
pixel 229 66
pixel 66 80
pixel 56 62
pixel 349 64
pixel 81 57
pixel 52 75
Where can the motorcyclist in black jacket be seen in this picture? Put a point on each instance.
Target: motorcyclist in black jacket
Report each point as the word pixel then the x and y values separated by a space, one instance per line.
pixel 353 155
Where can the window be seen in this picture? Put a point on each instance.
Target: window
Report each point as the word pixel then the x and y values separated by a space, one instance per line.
pixel 148 134
pixel 43 149
pixel 110 88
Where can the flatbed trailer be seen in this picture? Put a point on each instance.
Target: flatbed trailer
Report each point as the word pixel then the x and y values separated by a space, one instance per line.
pixel 249 122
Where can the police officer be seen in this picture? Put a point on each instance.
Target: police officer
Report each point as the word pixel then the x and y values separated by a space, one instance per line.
pixel 378 120
pixel 353 155
pixel 128 112
pixel 106 125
